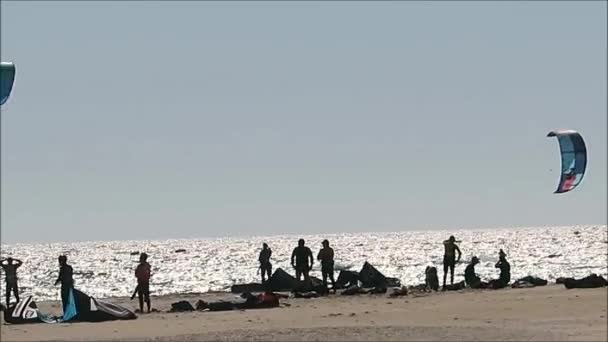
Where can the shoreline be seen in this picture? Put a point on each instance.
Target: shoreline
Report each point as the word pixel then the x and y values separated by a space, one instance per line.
pixel 447 230
pixel 547 313
pixel 217 266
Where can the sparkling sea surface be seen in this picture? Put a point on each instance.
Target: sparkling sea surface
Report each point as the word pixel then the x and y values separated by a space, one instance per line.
pixel 106 268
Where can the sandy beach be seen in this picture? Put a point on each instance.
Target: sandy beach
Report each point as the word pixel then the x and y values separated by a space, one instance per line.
pixel 549 313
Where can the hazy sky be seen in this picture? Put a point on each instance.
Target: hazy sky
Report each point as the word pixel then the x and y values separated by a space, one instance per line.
pixel 196 119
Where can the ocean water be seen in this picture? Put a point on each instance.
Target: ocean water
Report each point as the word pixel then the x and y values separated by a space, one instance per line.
pixel 106 269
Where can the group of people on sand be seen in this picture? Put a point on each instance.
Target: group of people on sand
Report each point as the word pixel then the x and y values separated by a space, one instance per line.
pixel 473 281
pixel 66 279
pixel 470 277
pixel 302 261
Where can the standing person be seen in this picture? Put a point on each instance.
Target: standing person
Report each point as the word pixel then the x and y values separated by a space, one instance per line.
pixel 326 256
pixel 264 259
pixel 299 260
pixel 449 258
pixel 66 279
pixel 10 272
pixel 143 273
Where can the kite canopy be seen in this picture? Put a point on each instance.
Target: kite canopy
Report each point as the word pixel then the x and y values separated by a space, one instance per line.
pixel 7 78
pixel 79 308
pixel 574 159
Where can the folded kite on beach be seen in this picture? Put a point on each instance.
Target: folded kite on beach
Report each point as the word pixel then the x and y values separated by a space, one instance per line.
pixel 591 281
pixel 80 308
pixel 529 281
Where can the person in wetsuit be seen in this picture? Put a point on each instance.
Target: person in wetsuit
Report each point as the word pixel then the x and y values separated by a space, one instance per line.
pixel 505 271
pixel 264 259
pixel 66 279
pixel 326 256
pixel 299 260
pixel 449 258
pixel 10 272
pixel 470 278
pixel 143 273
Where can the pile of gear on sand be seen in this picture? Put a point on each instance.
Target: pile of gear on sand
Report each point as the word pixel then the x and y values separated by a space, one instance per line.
pixel 280 285
pixel 367 281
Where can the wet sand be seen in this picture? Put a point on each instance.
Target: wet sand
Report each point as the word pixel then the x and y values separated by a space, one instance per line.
pixel 549 313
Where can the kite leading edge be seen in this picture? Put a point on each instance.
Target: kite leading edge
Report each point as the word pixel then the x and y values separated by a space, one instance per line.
pixel 7 79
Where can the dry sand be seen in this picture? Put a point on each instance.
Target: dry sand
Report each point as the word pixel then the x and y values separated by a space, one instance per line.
pixel 549 313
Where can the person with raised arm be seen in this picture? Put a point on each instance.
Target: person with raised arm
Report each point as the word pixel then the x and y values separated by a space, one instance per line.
pixel 10 266
pixel 449 258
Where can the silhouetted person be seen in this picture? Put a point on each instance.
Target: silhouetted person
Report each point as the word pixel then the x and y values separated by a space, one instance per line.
pixel 143 273
pixel 66 279
pixel 265 265
pixel 326 256
pixel 10 272
pixel 431 281
pixel 470 278
pixel 505 271
pixel 299 260
pixel 449 258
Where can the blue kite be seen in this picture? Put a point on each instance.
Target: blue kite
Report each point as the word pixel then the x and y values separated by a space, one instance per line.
pixel 574 159
pixel 7 79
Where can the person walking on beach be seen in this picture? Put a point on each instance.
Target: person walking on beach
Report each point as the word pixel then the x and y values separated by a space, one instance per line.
pixel 10 273
pixel 449 258
pixel 326 257
pixel 66 279
pixel 299 260
pixel 143 273
pixel 264 259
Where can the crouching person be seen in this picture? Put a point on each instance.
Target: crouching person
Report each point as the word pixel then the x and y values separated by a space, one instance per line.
pixel 471 278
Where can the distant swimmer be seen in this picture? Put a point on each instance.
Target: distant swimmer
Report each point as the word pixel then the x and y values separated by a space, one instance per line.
pixel 10 272
pixel 326 256
pixel 449 258
pixel 66 279
pixel 143 273
pixel 264 259
pixel 300 258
